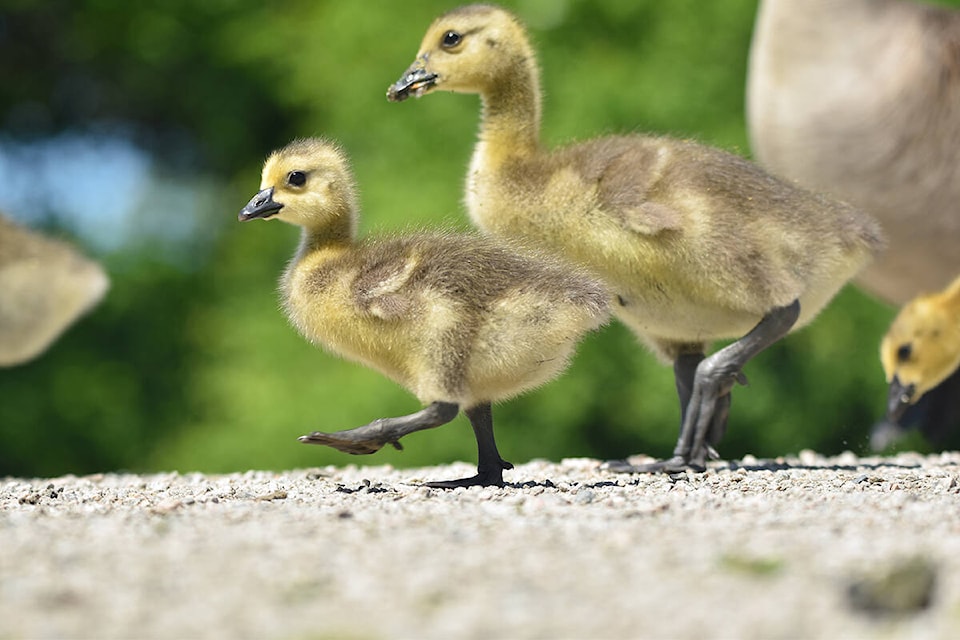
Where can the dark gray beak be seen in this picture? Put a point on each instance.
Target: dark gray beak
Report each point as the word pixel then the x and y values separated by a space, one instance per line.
pixel 261 205
pixel 415 81
pixel 899 397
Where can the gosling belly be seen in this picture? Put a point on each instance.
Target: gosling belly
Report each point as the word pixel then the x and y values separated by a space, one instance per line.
pixel 682 320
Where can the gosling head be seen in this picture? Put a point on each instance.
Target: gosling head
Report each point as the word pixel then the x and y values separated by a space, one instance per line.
pixel 920 350
pixel 471 49
pixel 307 183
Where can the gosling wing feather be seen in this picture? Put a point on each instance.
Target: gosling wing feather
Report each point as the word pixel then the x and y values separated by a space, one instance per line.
pixel 470 271
pixel 383 287
pixel 628 172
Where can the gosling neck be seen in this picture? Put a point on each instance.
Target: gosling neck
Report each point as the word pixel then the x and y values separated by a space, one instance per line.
pixel 510 117
pixel 334 235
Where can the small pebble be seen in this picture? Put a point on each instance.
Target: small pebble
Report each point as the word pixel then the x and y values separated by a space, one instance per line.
pixel 584 496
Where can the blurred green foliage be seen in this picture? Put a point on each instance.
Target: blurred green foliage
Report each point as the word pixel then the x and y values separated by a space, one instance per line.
pixel 190 366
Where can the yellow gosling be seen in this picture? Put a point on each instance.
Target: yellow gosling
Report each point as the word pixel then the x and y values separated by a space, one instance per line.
pixel 695 244
pixel 461 321
pixel 922 348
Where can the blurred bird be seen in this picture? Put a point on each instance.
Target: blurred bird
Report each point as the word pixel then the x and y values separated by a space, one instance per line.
pixel 696 244
pixel 861 99
pixel 45 285
pixel 460 320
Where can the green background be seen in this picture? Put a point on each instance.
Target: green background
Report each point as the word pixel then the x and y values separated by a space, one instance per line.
pixel 189 365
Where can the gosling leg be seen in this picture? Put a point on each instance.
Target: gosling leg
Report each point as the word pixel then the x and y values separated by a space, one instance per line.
pixel 684 372
pixel 706 415
pixel 371 437
pixel 703 387
pixel 490 465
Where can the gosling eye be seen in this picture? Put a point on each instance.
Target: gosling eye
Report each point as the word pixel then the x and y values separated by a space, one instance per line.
pixel 904 352
pixel 296 178
pixel 450 39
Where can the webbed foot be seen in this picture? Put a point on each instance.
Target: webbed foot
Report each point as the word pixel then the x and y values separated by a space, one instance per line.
pixel 371 437
pixel 704 418
pixel 360 441
pixel 675 464
pixel 491 477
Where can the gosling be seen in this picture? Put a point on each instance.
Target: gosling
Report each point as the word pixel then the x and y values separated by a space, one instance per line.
pixel 695 244
pixel 920 353
pixel 45 286
pixel 461 321
pixel 861 99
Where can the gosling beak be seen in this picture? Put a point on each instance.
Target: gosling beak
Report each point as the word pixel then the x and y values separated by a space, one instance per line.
pixel 899 397
pixel 261 205
pixel 415 81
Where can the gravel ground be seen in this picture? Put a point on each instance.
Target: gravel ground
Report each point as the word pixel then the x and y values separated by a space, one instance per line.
pixel 802 547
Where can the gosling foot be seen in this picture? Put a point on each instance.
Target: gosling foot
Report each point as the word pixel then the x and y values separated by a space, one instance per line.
pixel 486 478
pixel 359 441
pixel 704 419
pixel 676 464
pixel 371 437
pixel 490 465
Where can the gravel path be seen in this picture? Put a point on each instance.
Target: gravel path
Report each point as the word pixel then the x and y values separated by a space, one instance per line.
pixel 806 547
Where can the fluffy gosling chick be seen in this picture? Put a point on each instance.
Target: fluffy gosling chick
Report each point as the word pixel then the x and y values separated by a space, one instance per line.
pixel 922 348
pixel 461 321
pixel 45 285
pixel 694 243
pixel 861 99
